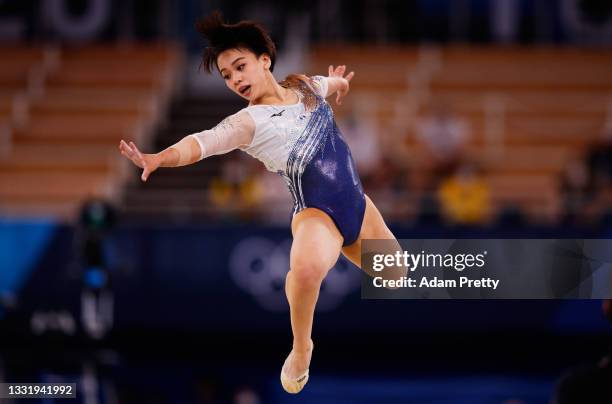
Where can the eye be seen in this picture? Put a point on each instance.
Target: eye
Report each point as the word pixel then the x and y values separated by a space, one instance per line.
pixel 226 77
pixel 241 67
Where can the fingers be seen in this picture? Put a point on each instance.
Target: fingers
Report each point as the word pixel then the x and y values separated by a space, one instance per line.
pixel 137 153
pixel 131 151
pixel 338 71
pixel 142 161
pixel 145 174
pixel 339 96
pixel 135 149
pixel 125 149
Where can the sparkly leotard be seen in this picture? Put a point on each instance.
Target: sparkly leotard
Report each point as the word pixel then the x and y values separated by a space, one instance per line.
pixel 308 150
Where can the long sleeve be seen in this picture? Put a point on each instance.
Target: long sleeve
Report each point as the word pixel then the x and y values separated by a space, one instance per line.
pixel 233 132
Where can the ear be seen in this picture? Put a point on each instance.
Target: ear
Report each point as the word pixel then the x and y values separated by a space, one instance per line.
pixel 266 61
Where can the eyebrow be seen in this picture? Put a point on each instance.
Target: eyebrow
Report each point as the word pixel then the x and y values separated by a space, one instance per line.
pixel 235 60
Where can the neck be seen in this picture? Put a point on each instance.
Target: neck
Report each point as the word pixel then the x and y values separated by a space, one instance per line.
pixel 274 93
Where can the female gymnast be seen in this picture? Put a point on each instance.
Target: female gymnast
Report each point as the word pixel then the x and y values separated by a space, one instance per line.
pixel 290 128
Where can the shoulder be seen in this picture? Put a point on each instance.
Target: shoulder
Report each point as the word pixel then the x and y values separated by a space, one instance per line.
pixel 308 84
pixel 318 84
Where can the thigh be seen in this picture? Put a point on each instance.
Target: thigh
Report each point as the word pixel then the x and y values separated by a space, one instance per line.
pixel 316 239
pixel 373 227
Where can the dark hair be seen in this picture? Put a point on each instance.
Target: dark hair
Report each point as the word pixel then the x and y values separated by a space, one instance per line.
pixel 221 37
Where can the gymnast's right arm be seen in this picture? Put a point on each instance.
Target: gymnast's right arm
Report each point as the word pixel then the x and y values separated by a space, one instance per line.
pixel 233 132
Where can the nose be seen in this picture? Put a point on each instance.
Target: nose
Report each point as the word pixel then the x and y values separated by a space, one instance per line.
pixel 237 81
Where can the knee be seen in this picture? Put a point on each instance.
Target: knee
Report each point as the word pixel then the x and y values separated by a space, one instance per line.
pixel 308 273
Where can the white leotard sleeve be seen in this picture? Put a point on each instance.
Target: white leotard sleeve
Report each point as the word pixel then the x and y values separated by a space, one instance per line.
pixel 235 131
pixel 320 85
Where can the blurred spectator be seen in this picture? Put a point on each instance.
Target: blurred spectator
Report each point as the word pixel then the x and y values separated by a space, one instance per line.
pixel 96 219
pixel 600 154
pixel 464 197
pixel 237 189
pixel 444 136
pixel 388 188
pixel 576 191
pixel 276 203
pixel 361 135
pixel 599 209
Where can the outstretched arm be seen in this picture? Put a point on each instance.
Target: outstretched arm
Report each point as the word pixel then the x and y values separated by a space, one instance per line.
pixel 234 131
pixel 337 82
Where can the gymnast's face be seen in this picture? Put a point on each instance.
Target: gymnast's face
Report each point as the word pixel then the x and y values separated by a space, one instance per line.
pixel 244 73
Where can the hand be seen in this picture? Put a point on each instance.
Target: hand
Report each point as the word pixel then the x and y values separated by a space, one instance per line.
pixel 148 162
pixel 338 72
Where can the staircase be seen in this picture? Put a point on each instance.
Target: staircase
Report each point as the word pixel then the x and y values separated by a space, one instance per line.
pixel 65 120
pixel 179 194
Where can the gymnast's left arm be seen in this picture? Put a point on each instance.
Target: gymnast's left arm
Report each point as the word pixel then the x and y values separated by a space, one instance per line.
pixel 338 83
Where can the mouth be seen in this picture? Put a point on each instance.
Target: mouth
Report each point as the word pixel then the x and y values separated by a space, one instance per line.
pixel 245 90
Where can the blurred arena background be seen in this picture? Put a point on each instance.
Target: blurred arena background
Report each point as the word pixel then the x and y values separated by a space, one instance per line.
pixel 467 118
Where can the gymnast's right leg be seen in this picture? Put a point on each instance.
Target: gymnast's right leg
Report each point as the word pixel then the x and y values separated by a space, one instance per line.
pixel 316 247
